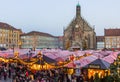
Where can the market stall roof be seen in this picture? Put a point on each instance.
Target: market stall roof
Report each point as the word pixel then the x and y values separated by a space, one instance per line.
pixel 2 48
pixel 110 58
pixel 59 59
pixel 48 60
pixel 98 62
pixel 40 62
pixel 35 56
pixel 27 61
pixel 81 62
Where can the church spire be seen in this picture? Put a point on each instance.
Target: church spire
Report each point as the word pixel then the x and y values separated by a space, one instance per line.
pixel 78 4
pixel 78 10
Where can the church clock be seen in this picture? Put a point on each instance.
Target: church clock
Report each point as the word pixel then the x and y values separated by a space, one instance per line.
pixel 76 28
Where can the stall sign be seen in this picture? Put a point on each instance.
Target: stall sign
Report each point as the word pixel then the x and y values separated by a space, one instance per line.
pixel 94 66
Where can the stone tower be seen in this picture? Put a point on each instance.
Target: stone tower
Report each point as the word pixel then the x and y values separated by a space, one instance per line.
pixel 78 10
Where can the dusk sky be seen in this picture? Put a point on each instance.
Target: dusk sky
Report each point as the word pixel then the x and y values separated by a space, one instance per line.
pixel 51 16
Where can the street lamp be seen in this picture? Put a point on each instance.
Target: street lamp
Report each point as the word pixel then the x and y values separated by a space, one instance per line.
pixel 29 54
pixel 13 45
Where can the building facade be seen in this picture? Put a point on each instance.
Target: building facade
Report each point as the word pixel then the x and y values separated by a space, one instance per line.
pixel 60 41
pixel 79 33
pixel 112 38
pixel 9 36
pixel 39 40
pixel 100 42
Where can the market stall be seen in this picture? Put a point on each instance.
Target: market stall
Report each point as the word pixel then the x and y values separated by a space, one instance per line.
pixel 98 66
pixel 43 63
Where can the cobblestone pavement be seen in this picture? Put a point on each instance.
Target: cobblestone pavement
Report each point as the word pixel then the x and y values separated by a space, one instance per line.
pixel 7 80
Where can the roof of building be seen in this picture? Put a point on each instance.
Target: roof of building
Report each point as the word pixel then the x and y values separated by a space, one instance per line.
pixel 37 33
pixel 46 59
pixel 7 26
pixel 100 38
pixel 99 62
pixel 112 32
pixel 78 4
pixel 87 27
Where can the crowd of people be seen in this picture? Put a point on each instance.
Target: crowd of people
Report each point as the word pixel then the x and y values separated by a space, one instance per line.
pixel 21 73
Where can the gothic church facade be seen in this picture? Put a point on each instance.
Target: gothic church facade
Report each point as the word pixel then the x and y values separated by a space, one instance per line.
pixel 79 34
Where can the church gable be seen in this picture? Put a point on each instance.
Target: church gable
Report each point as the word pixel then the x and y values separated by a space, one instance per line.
pixel 86 26
pixel 71 25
